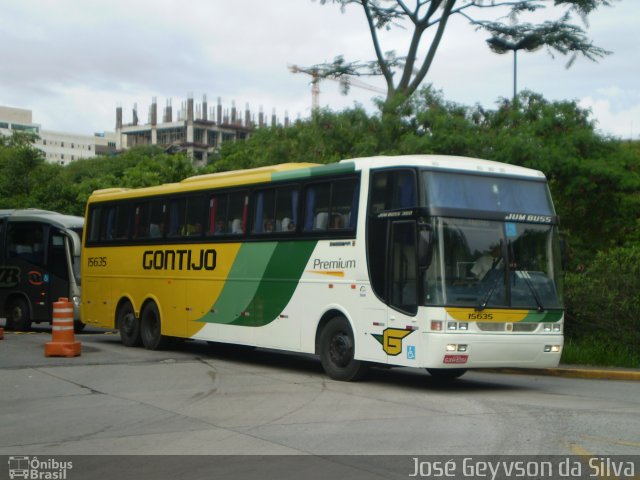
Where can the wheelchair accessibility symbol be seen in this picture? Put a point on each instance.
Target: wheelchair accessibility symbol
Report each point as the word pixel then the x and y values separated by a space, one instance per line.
pixel 411 352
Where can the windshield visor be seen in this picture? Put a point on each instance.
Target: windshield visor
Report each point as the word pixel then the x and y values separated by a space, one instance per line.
pixel 484 264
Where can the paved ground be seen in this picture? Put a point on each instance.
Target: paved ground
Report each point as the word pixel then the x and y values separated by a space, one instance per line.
pixel 219 402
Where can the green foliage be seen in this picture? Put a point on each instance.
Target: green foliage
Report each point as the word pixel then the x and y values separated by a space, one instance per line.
pixel 26 180
pixel 603 301
pixel 599 350
pixel 326 137
pixel 17 156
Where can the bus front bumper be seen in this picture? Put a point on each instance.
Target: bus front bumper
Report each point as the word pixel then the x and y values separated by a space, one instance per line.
pixel 448 350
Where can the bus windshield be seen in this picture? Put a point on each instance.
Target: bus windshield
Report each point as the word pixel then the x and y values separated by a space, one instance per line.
pixel 485 263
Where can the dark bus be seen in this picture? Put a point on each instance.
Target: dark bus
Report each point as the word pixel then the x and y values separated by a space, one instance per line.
pixel 39 263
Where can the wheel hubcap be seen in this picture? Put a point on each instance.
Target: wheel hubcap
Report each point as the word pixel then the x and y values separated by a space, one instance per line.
pixel 341 350
pixel 128 322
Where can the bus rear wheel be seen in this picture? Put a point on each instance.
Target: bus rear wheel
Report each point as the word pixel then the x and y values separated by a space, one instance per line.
pixel 337 349
pixel 18 316
pixel 151 328
pixel 128 325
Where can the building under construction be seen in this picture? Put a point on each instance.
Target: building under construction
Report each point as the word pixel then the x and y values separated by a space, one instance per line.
pixel 197 129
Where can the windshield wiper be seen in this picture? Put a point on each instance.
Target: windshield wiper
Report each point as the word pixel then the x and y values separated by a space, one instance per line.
pixel 527 279
pixel 485 300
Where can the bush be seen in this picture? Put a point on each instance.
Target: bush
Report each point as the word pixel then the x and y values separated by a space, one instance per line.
pixel 604 301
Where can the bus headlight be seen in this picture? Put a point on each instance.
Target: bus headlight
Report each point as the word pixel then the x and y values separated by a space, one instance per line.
pixel 76 300
pixel 455 347
pixel 552 348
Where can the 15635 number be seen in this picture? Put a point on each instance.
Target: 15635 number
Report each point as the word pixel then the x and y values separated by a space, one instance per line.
pixel 97 261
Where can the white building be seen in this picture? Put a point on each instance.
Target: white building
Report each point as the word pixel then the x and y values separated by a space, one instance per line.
pixel 58 147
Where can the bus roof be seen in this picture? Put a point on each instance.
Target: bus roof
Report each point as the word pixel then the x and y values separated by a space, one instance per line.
pixel 293 171
pixel 446 163
pixel 34 214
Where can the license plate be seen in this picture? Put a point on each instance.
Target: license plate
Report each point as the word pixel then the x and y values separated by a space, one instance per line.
pixel 456 359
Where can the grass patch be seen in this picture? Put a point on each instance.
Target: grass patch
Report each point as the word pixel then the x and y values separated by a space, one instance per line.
pixel 600 352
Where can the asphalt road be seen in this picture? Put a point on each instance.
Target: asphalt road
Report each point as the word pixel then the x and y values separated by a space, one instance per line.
pixel 202 399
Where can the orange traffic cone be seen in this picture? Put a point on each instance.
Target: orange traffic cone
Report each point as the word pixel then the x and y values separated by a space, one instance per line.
pixel 63 342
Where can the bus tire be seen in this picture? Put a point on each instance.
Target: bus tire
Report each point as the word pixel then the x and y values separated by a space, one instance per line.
pixel 128 325
pixel 78 326
pixel 337 348
pixel 151 328
pixel 18 315
pixel 446 373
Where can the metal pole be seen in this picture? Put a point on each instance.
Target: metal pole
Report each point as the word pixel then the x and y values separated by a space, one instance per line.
pixel 515 74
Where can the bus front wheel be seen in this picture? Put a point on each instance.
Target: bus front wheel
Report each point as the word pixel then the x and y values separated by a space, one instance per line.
pixel 337 349
pixel 151 329
pixel 18 316
pixel 128 325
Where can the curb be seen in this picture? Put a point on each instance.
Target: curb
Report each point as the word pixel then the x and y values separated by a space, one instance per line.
pixel 574 372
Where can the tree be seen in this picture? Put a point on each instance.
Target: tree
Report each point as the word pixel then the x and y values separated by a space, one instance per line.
pixel 404 74
pixel 18 160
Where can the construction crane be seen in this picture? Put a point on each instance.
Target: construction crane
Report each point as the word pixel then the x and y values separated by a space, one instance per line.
pixel 344 80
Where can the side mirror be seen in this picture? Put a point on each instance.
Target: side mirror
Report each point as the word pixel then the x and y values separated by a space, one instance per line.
pixel 564 251
pixel 425 245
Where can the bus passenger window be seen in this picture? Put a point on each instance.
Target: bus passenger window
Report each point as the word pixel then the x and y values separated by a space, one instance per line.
pixel 263 220
pixel 194 216
pixel 237 212
pixel 122 222
pixel 331 205
pixel 177 216
pixel 141 221
pixel 157 214
pixel 26 241
pixel 286 209
pixel 317 206
pixel 217 215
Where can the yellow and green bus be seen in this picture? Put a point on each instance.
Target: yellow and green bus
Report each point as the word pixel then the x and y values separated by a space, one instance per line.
pixel 439 262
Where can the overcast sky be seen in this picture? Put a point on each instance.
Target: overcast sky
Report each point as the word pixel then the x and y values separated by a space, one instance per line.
pixel 72 62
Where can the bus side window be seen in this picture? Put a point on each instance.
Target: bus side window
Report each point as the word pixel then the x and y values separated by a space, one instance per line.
pixel 122 222
pixel 141 221
pixel 176 216
pixel 264 204
pixel 157 218
pixel 287 209
pixel 392 189
pixel 331 205
pixel 344 205
pixel 238 212
pixel 26 241
pixel 317 206
pixel 194 217
pixel 217 215
pixel 93 235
